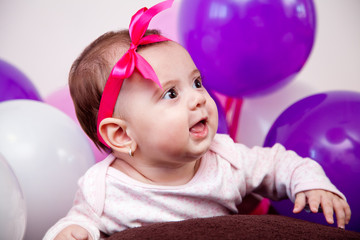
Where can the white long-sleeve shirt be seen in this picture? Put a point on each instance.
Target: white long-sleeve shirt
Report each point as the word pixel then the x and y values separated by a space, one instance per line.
pixel 110 201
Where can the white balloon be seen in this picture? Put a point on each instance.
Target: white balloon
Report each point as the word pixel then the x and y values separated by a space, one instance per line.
pixel 48 153
pixel 12 204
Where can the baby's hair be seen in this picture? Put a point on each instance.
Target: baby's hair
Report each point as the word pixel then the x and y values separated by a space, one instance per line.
pixel 89 73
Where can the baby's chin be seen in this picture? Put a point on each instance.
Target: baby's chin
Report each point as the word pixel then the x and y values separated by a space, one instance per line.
pixel 199 150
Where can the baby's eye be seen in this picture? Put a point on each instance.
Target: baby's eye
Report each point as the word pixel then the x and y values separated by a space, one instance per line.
pixel 197 83
pixel 170 94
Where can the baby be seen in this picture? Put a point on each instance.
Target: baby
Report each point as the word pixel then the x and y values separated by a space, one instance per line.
pixel 151 110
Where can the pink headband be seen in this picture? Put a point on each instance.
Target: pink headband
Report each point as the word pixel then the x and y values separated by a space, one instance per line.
pixel 125 67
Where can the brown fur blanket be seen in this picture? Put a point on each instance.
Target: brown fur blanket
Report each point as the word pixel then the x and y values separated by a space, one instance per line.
pixel 237 227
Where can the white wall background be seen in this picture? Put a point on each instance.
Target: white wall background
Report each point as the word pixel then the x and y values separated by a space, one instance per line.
pixel 42 38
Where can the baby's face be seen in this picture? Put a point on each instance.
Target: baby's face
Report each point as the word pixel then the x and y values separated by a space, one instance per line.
pixel 176 123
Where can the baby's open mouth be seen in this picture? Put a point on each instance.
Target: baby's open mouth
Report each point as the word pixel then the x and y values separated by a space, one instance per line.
pixel 199 127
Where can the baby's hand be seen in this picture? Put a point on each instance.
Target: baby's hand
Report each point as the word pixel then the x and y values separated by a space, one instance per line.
pixel 73 232
pixel 329 202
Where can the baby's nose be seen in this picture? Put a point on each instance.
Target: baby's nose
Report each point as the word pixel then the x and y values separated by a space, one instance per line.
pixel 196 100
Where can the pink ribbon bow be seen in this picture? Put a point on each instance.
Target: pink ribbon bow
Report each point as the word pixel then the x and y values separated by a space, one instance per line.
pixel 125 67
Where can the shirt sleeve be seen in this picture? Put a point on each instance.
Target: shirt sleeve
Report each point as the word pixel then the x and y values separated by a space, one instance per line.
pixel 273 172
pixel 278 173
pixel 81 214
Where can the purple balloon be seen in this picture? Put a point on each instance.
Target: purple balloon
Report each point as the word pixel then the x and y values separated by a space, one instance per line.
pixel 326 128
pixel 247 48
pixel 15 85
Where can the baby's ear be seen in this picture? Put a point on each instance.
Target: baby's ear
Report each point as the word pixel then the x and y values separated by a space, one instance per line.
pixel 113 131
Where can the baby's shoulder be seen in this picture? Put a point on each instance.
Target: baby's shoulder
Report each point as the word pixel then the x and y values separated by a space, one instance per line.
pixel 92 185
pixel 237 153
pixel 226 150
pixel 225 146
pixel 221 142
pixel 96 174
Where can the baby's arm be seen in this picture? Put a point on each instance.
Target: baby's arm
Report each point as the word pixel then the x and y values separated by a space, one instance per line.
pixel 276 173
pixel 73 232
pixel 80 223
pixel 328 201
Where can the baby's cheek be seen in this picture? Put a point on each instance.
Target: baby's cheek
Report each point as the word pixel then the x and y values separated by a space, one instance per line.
pixel 173 137
pixel 176 131
pixel 213 113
